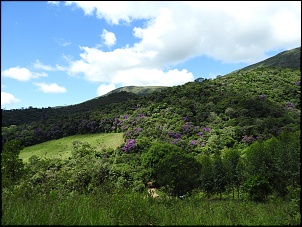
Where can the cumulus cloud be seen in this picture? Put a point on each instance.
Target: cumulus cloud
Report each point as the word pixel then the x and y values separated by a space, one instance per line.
pixel 105 88
pixel 174 32
pixel 7 98
pixel 109 38
pixel 116 11
pixel 50 88
pixel 21 74
pixel 227 31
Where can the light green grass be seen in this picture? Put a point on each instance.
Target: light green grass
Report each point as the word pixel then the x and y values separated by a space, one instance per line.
pixel 61 148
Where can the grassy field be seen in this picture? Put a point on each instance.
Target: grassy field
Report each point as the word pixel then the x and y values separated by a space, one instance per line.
pixel 130 208
pixel 61 148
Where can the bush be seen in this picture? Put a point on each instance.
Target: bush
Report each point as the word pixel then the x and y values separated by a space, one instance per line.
pixel 258 188
pixel 178 174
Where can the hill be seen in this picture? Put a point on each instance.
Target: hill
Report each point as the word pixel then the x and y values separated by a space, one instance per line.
pixel 286 59
pixel 235 134
pixel 139 90
pixel 233 97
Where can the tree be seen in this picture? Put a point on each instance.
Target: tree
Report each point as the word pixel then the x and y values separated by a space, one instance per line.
pixel 231 159
pixel 12 167
pixel 219 175
pixel 178 173
pixel 206 175
pixel 157 152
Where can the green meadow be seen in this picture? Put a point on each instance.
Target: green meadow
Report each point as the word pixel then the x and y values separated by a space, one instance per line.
pixel 61 148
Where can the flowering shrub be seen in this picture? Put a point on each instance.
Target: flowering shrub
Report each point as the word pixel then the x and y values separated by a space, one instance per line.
pixel 175 135
pixel 186 118
pixel 133 133
pixel 200 134
pixel 130 143
pixel 206 129
pixel 248 139
pixel 290 104
pixel 186 126
pixel 262 96
pixel 193 142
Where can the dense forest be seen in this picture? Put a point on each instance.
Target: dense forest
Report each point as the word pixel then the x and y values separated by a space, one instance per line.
pixel 238 133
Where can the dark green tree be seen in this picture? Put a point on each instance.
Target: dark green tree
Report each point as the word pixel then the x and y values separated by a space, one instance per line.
pixel 157 152
pixel 231 159
pixel 178 174
pixel 12 167
pixel 219 175
pixel 206 175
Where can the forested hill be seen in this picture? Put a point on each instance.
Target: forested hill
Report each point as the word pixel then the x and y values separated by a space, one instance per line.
pixel 259 102
pixel 286 59
pixel 139 90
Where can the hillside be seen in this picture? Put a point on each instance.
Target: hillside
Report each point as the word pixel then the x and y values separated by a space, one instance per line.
pixel 62 148
pixel 286 59
pixel 234 97
pixel 139 90
pixel 235 135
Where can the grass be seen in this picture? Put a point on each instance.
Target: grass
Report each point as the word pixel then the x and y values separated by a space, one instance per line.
pixel 131 208
pixel 61 148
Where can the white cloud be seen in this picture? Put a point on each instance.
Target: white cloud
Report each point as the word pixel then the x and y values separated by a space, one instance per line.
pixel 230 32
pixel 104 89
pixel 115 11
pixel 61 42
pixel 227 31
pixel 50 88
pixel 39 65
pixel 7 98
pixel 55 3
pixel 152 77
pixel 21 74
pixel 108 37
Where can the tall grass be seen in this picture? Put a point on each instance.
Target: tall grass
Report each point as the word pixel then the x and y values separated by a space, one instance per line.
pixel 131 208
pixel 61 148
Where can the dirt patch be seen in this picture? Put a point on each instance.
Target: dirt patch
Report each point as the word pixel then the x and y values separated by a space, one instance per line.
pixel 152 192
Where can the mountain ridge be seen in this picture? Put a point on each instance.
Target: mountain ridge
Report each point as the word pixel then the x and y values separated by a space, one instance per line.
pixel 139 90
pixel 285 59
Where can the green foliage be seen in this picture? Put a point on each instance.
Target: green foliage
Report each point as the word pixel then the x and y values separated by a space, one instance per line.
pixel 12 167
pixel 125 207
pixel 178 174
pixel 243 128
pixel 206 174
pixel 231 158
pixel 276 160
pixel 157 152
pixel 81 149
pixel 258 188
pixel 220 176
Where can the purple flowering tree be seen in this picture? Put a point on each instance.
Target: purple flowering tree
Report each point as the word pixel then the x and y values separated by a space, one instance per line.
pixel 129 145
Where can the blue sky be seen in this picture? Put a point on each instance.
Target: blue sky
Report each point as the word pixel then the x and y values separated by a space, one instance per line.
pixel 65 53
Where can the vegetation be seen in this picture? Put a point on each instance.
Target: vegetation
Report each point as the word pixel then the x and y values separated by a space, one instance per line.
pixel 139 90
pixel 221 151
pixel 61 148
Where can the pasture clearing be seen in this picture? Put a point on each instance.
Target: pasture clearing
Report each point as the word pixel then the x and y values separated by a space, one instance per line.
pixel 61 148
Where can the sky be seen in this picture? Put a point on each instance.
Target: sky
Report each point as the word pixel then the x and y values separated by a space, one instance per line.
pixel 59 53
